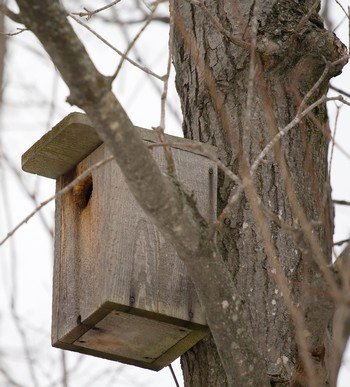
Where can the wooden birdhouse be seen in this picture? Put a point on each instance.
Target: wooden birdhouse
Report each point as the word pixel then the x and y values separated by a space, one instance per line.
pixel 120 291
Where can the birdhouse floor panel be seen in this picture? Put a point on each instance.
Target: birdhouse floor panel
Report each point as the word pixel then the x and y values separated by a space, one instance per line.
pixel 132 336
pixel 127 335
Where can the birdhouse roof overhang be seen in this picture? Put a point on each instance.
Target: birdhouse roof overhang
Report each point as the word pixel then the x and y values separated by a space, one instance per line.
pixel 73 139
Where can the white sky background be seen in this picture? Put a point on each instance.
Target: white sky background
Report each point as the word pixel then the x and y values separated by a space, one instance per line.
pixel 34 102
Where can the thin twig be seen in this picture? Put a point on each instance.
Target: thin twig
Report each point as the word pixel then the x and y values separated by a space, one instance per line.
pixel 339 24
pixel 343 9
pixel 19 31
pixel 348 16
pixel 58 194
pixel 132 43
pixel 282 132
pixel 291 125
pixel 323 76
pixel 152 80
pixel 342 202
pixel 214 158
pixel 218 25
pixel 16 17
pixel 143 68
pixel 88 14
pixel 338 90
pixel 26 348
pixel 160 129
pixel 30 194
pixel 8 377
pixel 306 17
pixel 172 371
pixel 314 88
pixel 333 141
pixel 203 152
pixel 121 22
pixel 339 243
pixel 64 369
pixel 139 59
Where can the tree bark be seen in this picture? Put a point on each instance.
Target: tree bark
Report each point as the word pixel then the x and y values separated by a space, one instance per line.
pixel 212 74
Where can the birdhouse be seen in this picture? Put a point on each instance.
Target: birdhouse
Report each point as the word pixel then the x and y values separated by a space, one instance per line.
pixel 120 291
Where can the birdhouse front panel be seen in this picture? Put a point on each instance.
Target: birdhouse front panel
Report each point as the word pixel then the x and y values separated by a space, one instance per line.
pixel 120 290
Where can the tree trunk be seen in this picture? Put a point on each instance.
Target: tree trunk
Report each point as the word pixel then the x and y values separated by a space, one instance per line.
pixel 213 82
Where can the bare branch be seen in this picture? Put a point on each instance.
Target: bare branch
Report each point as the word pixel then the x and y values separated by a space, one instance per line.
pixel 16 17
pixel 143 68
pixel 58 194
pixel 291 125
pixel 27 350
pixel 31 195
pixel 338 90
pixel 333 141
pixel 64 369
pixel 19 31
pixel 268 147
pixel 88 14
pixel 342 8
pixel 339 243
pixel 342 202
pixel 8 377
pixel 138 57
pixel 203 152
pixel 323 76
pixel 174 376
pixel 132 43
pixel 160 129
pixel 216 23
pixel 306 17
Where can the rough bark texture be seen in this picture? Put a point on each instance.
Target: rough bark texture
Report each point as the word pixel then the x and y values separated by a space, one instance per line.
pixel 290 64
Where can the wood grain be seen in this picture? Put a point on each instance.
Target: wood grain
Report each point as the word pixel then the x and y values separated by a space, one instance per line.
pixel 74 138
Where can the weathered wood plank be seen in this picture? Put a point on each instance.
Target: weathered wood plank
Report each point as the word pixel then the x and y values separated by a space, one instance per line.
pixel 74 138
pixel 60 149
pixel 101 334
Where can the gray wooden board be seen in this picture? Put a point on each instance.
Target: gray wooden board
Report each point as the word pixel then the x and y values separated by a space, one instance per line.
pixel 60 149
pixel 72 139
pixel 110 252
pixel 103 335
pixel 127 335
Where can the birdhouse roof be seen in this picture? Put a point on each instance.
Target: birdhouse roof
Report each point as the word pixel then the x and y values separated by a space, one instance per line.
pixel 74 138
pixel 63 147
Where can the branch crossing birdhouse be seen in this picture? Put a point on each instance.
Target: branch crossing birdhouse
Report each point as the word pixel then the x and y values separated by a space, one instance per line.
pixel 120 291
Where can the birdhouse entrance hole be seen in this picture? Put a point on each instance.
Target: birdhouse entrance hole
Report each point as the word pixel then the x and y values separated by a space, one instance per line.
pixel 82 192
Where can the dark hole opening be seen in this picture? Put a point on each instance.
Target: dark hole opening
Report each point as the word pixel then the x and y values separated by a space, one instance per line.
pixel 79 320
pixel 82 192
